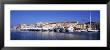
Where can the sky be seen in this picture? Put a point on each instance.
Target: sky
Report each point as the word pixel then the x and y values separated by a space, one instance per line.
pixel 34 16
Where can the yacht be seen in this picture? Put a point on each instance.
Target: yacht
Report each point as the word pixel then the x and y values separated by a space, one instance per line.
pixel 90 29
pixel 83 30
pixel 71 29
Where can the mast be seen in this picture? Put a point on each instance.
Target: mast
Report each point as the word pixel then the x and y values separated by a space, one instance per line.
pixel 90 20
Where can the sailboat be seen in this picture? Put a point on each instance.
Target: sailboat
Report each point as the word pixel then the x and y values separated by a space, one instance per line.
pixel 89 29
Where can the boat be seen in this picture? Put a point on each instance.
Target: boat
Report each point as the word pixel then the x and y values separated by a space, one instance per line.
pixel 83 30
pixel 71 29
pixel 93 30
pixel 90 29
pixel 45 29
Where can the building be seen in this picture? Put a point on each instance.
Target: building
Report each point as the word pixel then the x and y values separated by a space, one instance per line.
pixel 60 24
pixel 24 26
pixel 81 26
pixel 94 25
pixel 75 24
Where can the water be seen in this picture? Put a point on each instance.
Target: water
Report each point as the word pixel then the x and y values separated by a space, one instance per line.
pixel 30 35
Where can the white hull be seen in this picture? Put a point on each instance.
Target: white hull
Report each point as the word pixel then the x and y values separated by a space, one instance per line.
pixel 93 30
pixel 71 29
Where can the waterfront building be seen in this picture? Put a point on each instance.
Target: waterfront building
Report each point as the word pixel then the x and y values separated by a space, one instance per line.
pixel 24 26
pixel 94 25
pixel 81 26
pixel 64 25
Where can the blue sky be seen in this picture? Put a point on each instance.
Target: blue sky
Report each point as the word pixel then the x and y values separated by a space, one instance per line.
pixel 34 16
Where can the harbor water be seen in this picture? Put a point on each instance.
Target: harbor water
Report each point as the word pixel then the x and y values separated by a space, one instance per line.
pixel 37 35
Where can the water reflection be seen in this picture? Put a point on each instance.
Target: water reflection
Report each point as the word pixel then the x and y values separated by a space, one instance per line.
pixel 28 35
